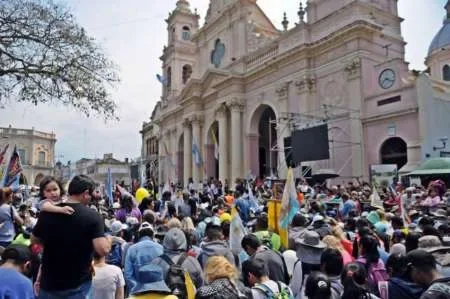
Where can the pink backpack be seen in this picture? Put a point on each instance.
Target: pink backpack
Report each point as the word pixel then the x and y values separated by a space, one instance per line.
pixel 376 274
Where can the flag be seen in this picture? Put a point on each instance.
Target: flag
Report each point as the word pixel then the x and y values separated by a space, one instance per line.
pixel 196 153
pixel 237 232
pixel 253 202
pixel 289 202
pixel 109 187
pixel 161 79
pixel 375 199
pixel 13 170
pixel 216 145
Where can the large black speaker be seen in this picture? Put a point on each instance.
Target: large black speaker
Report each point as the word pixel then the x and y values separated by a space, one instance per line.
pixel 288 151
pixel 310 144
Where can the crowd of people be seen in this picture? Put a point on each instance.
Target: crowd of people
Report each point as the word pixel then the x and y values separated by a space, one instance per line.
pixel 175 243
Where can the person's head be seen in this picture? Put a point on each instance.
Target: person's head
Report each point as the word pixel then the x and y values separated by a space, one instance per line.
pixel 81 188
pixel 425 221
pixel 226 229
pixel 369 249
pixel 146 204
pixel 318 286
pixel 7 195
pixel 219 267
pixel 171 209
pixel 396 265
pixel 250 243
pixel 50 188
pixel 333 242
pixel 412 241
pixel 432 192
pixel 397 222
pixel 262 222
pixel 257 270
pixel 331 262
pixel 354 278
pixel 17 257
pixel 213 232
pixel 146 230
pixel 149 216
pixel 422 266
pixel 126 202
pixel 175 240
pixel 187 224
pixel 299 220
pixel 117 228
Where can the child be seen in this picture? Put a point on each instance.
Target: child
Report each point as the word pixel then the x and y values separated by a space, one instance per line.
pixel 50 193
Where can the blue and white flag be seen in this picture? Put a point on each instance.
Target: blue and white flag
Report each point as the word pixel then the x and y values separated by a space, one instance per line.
pixel 196 153
pixel 13 169
pixel 289 202
pixel 109 187
pixel 253 202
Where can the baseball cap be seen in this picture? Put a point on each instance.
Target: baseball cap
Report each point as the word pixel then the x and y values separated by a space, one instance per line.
pixel 420 259
pixel 116 205
pixel 19 253
pixel 117 227
pixel 145 225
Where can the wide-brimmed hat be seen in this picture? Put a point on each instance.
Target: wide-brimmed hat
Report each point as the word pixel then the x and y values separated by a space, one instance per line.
pixel 441 213
pixel 431 244
pixel 310 248
pixel 312 239
pixel 150 278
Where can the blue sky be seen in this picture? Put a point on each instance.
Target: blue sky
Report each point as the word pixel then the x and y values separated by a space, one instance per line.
pixel 133 33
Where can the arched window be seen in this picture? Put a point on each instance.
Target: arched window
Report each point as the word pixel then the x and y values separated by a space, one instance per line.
pixel 169 78
pixel 187 72
pixel 186 33
pixel 446 73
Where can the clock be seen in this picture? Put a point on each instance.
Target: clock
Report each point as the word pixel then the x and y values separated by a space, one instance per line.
pixel 386 79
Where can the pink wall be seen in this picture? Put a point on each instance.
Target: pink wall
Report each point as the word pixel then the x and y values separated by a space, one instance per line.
pixel 376 133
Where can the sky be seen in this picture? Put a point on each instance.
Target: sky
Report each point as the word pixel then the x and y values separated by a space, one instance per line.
pixel 133 33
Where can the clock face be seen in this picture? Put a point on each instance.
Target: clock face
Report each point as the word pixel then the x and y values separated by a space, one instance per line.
pixel 387 78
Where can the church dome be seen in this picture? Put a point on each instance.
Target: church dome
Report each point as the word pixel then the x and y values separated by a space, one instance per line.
pixel 442 38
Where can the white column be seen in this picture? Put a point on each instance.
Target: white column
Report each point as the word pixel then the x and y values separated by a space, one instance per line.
pixel 161 163
pixel 187 152
pixel 223 142
pixel 174 156
pixel 196 169
pixel 236 144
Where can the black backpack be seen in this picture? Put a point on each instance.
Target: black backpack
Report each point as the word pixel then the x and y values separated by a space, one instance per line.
pixel 175 278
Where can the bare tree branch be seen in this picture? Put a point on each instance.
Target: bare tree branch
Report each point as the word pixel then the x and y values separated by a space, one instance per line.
pixel 45 57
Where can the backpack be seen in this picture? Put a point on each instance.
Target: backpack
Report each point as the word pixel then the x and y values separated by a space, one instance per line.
pixel 114 257
pixel 375 275
pixel 176 276
pixel 283 291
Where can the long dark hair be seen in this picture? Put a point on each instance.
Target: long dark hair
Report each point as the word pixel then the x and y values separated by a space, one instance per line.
pixel 369 246
pixel 47 180
pixel 126 202
pixel 353 279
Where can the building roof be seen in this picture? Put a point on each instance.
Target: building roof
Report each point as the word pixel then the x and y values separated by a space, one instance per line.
pixel 442 38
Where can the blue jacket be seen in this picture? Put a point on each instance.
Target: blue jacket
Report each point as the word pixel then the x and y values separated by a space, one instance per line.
pixel 138 255
pixel 399 288
pixel 243 206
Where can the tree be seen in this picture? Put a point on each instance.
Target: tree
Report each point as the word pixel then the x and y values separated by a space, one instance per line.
pixel 46 57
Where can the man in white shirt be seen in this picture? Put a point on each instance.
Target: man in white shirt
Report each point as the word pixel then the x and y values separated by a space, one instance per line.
pixel 262 286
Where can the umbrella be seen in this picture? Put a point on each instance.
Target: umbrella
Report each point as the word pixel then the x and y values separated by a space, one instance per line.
pixel 432 167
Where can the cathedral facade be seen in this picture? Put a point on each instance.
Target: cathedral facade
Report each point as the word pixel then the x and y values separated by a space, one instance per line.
pixel 236 87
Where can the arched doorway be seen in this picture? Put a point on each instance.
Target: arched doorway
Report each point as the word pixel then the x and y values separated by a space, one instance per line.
pixel 38 179
pixel 212 151
pixel 394 151
pixel 263 138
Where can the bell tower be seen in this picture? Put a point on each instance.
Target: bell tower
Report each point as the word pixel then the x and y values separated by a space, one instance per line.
pixel 179 56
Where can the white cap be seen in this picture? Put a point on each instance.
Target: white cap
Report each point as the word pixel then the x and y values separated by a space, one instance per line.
pixel 145 225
